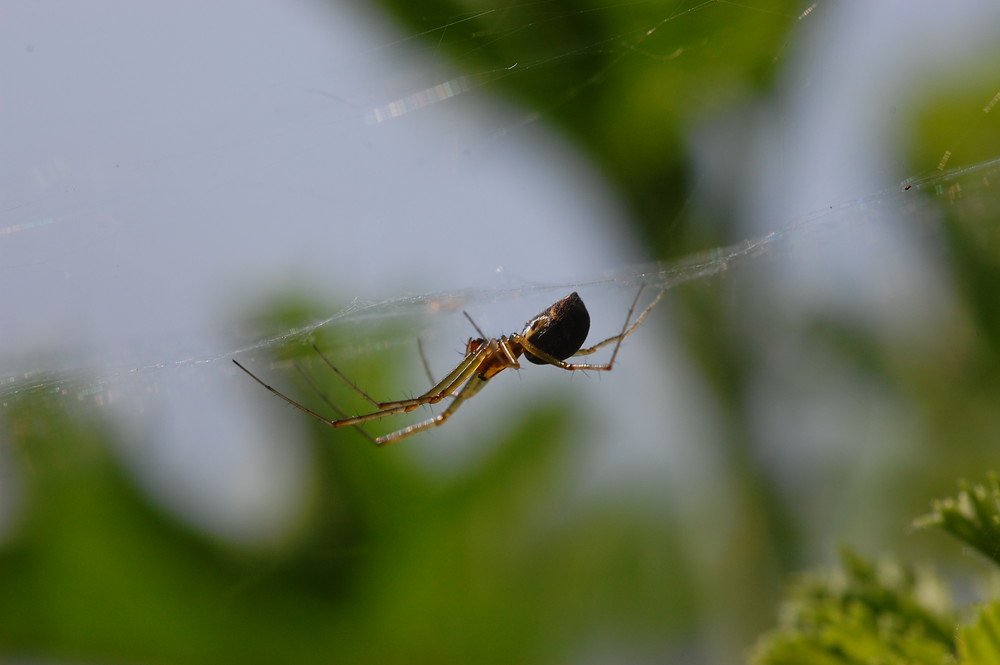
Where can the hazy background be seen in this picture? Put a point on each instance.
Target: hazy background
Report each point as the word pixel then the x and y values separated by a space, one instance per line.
pixel 183 184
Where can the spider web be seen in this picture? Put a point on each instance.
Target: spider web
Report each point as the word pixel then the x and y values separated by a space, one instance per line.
pixel 138 227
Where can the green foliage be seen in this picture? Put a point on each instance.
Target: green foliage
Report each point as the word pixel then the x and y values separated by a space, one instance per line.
pixel 627 81
pixel 979 642
pixel 975 249
pixel 391 562
pixel 957 110
pixel 861 613
pixel 973 517
pixel 888 613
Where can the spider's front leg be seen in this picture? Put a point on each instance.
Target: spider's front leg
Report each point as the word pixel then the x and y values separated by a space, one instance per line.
pixel 626 329
pixel 549 359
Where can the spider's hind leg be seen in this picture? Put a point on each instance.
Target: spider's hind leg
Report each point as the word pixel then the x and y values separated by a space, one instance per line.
pixel 330 403
pixel 371 400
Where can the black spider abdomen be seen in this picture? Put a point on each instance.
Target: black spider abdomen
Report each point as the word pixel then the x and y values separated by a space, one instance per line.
pixel 560 330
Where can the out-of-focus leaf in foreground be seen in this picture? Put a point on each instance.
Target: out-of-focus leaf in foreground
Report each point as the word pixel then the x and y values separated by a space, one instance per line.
pixel 861 612
pixel 391 564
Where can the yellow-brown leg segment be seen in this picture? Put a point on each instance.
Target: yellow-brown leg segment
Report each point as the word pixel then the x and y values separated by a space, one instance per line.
pixel 627 329
pixel 475 384
pixel 462 374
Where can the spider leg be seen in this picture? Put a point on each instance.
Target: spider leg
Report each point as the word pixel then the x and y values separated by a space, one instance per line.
pixel 468 370
pixel 528 347
pixel 627 329
pixel 439 391
pixel 423 361
pixel 300 407
pixel 340 412
pixel 472 386
pixel 343 376
pixel 392 408
pixel 445 386
pixel 481 333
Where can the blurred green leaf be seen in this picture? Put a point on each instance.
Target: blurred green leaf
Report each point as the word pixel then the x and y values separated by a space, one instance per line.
pixel 392 563
pixel 973 517
pixel 862 613
pixel 970 231
pixel 979 643
pixel 955 121
pixel 889 613
pixel 627 81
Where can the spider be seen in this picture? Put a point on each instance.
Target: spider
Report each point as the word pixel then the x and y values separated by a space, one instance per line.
pixel 547 339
